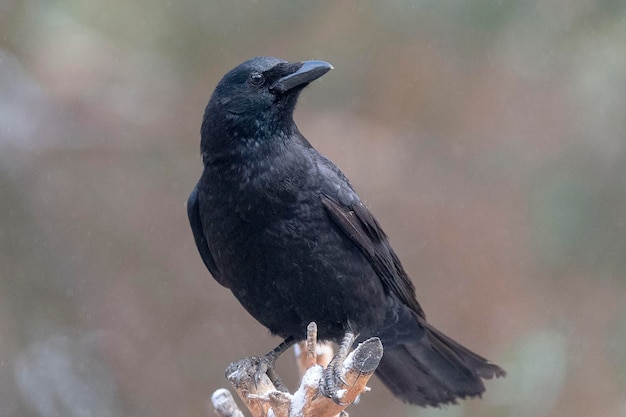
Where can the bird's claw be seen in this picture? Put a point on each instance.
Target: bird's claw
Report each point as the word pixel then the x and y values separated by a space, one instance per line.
pixel 265 366
pixel 334 375
pixel 330 388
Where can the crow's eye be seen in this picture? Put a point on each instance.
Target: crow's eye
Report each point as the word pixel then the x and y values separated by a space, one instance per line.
pixel 257 78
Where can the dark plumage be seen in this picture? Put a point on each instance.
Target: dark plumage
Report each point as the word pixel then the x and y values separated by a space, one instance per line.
pixel 280 226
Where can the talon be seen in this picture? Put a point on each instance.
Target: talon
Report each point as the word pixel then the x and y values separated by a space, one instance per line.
pixel 333 375
pixel 262 367
pixel 265 365
pixel 336 397
pixel 342 379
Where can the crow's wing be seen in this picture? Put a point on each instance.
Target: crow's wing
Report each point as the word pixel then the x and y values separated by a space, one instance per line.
pixel 193 212
pixel 356 221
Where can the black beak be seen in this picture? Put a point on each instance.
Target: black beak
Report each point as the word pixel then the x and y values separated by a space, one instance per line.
pixel 308 71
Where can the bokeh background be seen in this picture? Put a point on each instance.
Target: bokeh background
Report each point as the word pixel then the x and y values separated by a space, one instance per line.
pixel 487 136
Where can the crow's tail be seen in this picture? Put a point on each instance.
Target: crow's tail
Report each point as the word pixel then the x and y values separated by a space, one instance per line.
pixel 434 370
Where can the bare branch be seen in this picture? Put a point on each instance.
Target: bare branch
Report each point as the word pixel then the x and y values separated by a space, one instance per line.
pixel 264 400
pixel 357 370
pixel 310 352
pixel 224 404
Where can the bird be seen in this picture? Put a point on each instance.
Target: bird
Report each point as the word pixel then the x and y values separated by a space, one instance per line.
pixel 280 225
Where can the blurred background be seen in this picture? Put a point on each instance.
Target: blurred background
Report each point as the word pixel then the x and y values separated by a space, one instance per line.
pixel 487 136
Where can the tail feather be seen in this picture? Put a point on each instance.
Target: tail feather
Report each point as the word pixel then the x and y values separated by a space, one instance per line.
pixel 434 370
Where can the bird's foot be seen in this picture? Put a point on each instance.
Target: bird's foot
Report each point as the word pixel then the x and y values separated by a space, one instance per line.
pixel 333 374
pixel 265 365
pixel 254 368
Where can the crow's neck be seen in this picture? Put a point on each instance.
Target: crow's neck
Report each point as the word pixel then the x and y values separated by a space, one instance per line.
pixel 236 139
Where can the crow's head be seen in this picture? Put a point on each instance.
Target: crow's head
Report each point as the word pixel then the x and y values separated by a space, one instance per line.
pixel 258 97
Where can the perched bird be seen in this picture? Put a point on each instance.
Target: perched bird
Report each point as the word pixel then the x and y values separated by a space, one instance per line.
pixel 280 225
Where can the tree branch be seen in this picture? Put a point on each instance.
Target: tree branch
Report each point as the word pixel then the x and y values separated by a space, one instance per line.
pixel 264 400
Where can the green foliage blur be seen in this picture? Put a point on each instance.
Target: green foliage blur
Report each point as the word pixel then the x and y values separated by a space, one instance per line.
pixel 489 138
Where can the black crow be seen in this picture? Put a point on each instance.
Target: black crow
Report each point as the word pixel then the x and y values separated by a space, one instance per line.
pixel 280 225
